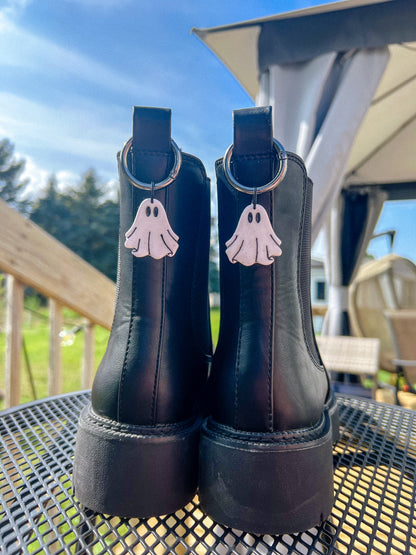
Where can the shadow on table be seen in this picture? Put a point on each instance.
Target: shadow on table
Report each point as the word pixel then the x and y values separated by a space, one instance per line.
pixel 374 479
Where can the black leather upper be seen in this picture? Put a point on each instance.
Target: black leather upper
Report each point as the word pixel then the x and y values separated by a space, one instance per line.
pixel 159 350
pixel 267 374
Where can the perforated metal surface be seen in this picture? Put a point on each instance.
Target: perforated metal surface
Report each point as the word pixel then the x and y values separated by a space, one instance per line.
pixel 374 511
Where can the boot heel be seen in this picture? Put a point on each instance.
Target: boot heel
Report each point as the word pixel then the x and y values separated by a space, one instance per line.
pixel 134 471
pixel 267 483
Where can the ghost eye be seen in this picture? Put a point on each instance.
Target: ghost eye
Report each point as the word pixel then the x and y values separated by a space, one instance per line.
pixel 155 211
pixel 258 218
pixel 250 217
pixel 148 211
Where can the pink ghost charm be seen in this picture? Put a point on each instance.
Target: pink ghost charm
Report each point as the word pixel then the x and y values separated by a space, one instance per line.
pixel 150 233
pixel 254 241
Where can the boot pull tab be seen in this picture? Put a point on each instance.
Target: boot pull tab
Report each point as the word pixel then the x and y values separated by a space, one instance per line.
pixel 151 160
pixel 249 168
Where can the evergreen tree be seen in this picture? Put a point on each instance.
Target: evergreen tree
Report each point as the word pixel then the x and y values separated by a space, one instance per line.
pixel 94 227
pixel 51 213
pixel 11 188
pixel 83 204
pixel 83 220
pixel 107 219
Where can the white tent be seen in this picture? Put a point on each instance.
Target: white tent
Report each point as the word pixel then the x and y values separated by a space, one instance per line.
pixel 341 78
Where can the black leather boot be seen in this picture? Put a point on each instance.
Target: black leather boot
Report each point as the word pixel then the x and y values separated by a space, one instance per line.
pixel 266 450
pixel 137 444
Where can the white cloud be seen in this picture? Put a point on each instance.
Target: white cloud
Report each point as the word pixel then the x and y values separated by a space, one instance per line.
pixel 12 8
pixel 66 179
pixel 22 49
pixel 68 129
pixel 36 176
pixel 111 188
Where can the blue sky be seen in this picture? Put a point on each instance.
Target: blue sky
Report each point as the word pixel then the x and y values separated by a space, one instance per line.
pixel 73 69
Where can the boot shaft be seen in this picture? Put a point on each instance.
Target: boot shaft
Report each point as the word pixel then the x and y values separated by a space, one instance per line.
pixel 267 374
pixel 136 452
pixel 159 349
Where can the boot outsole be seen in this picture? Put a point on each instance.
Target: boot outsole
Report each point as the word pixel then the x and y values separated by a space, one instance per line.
pixel 134 471
pixel 268 483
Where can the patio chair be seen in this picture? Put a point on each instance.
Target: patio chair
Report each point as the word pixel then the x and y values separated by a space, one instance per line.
pixel 402 325
pixel 358 356
pixel 386 283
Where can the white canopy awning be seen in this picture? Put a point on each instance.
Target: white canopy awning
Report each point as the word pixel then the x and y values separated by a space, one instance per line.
pixel 383 150
pixel 342 81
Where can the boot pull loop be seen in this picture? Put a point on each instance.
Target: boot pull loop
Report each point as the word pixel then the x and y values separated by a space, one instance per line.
pixel 127 151
pixel 274 182
pixel 151 150
pixel 254 240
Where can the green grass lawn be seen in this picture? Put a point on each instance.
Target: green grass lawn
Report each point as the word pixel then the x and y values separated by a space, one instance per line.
pixel 215 324
pixel 36 337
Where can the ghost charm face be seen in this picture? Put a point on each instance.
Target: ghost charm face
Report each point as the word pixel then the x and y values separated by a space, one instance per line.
pixel 150 233
pixel 254 241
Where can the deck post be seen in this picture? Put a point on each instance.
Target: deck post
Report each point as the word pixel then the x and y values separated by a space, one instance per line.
pixel 55 351
pixel 88 364
pixel 14 323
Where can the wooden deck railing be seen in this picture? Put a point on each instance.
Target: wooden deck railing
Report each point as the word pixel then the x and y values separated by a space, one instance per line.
pixel 30 256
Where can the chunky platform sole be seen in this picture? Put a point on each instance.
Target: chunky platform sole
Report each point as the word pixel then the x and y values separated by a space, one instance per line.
pixel 135 471
pixel 263 483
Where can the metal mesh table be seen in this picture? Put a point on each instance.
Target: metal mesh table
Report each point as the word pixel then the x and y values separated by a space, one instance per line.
pixel 374 511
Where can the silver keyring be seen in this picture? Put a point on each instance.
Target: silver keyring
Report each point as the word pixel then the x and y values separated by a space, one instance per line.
pixel 281 172
pixel 141 184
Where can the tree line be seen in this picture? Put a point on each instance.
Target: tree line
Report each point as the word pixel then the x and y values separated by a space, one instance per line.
pixel 82 217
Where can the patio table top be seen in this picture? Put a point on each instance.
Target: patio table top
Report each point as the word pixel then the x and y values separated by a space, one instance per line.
pixel 374 477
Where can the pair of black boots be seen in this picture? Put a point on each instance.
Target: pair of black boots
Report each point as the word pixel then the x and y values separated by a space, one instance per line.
pixel 256 437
